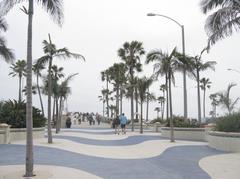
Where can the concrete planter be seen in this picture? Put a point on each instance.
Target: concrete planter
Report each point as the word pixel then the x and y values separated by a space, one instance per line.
pixel 196 134
pixel 224 141
pixel 16 134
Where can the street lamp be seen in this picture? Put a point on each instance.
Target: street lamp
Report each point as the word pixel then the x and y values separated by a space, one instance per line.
pixel 230 69
pixel 184 70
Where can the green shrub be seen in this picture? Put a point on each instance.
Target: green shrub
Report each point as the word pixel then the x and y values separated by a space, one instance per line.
pixel 229 123
pixel 160 120
pixel 179 121
pixel 14 113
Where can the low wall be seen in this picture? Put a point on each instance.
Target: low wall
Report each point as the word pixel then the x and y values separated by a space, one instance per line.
pixel 16 134
pixel 196 134
pixel 224 141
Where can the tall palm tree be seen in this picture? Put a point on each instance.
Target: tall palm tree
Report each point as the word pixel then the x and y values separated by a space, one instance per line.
pixel 19 69
pixel 158 110
pixel 130 53
pixel 54 8
pixel 101 98
pixel 163 88
pixel 215 102
pixel 37 69
pixel 226 101
pixel 149 97
pixel 197 65
pixel 142 86
pixel 223 21
pixel 5 53
pixel 105 77
pixel 117 77
pixel 160 68
pixel 52 52
pixel 161 100
pixel 205 83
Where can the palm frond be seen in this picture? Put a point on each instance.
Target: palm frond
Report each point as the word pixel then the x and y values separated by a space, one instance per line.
pixel 54 8
pixel 7 5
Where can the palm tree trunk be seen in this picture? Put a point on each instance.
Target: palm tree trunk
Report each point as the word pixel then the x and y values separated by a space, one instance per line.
pixel 20 89
pixel 132 112
pixel 121 98
pixel 107 100
pixel 163 107
pixel 40 96
pixel 147 105
pixel 57 115
pixel 167 102
pixel 60 114
pixel 204 96
pixel 29 122
pixel 199 99
pixel 49 101
pixel 53 111
pixel 117 101
pixel 170 105
pixel 136 102
pixel 141 123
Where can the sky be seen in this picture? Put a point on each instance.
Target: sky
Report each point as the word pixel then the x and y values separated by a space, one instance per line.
pixel 97 29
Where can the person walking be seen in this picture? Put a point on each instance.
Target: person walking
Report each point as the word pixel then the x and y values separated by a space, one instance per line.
pixel 116 123
pixel 123 122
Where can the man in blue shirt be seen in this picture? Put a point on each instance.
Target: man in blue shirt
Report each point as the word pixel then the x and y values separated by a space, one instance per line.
pixel 123 122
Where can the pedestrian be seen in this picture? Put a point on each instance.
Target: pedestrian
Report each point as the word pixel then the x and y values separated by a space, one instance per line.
pixel 98 118
pixel 116 123
pixel 123 122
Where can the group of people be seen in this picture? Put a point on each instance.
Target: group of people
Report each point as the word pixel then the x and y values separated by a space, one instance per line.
pixel 122 121
pixel 93 118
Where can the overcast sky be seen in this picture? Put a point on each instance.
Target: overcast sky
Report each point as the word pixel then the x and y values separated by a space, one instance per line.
pixel 97 29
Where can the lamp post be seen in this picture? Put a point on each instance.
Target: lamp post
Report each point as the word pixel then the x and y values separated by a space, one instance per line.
pixel 184 70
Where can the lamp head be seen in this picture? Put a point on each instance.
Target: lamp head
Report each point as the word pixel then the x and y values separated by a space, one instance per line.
pixel 151 14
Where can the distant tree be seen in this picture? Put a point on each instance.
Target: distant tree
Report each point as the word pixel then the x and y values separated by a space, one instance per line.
pixel 19 69
pixel 158 110
pixel 205 83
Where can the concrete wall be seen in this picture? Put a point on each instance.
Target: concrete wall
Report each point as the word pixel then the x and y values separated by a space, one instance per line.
pixel 19 134
pixel 196 134
pixel 224 141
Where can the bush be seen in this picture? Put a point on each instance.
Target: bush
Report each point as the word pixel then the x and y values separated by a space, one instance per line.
pixel 160 120
pixel 229 123
pixel 179 121
pixel 14 113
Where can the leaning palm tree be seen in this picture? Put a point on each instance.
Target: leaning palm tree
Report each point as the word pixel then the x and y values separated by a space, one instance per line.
pixel 19 69
pixel 223 21
pixel 205 84
pixel 142 86
pixel 226 101
pixel 5 53
pixel 52 52
pixel 197 65
pixel 63 92
pixel 131 53
pixel 37 68
pixel 54 8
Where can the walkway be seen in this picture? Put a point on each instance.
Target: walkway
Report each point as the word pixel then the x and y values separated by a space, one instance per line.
pixel 95 152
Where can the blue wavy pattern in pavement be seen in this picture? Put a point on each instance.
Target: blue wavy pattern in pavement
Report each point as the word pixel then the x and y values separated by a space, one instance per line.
pixel 180 162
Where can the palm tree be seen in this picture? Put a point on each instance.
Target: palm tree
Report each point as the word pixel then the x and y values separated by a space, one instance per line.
pixel 197 65
pixel 160 68
pixel 52 52
pixel 163 88
pixel 222 22
pixel 5 52
pixel 215 102
pixel 142 86
pixel 105 77
pixel 54 8
pixel 37 68
pixel 101 98
pixel 63 92
pixel 226 101
pixel 19 69
pixel 204 84
pixel 158 110
pixel 117 76
pixel 149 97
pixel 131 53
pixel 161 100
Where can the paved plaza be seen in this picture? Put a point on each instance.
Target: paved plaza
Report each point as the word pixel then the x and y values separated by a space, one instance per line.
pixel 94 152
